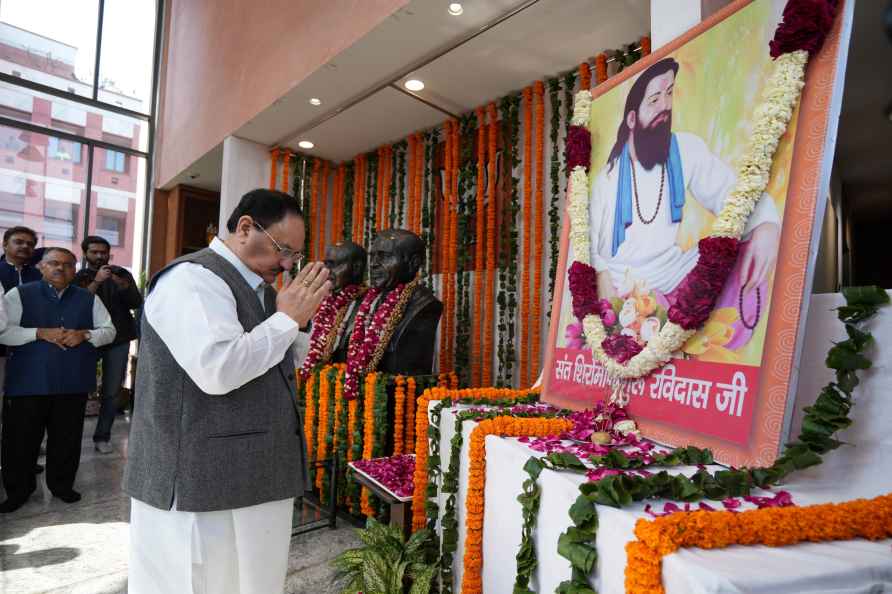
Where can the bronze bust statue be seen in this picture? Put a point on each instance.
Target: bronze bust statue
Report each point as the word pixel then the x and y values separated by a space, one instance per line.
pixel 346 263
pixel 395 257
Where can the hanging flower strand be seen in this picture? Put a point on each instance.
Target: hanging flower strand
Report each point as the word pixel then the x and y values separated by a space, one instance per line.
pixel 476 339
pixel 527 236
pixel 490 272
pixel 538 232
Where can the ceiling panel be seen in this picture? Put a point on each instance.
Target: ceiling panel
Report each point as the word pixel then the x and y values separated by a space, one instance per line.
pixel 549 37
pixel 386 116
pixel 411 35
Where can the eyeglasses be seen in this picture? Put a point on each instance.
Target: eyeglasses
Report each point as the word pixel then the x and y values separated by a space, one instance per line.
pixel 284 253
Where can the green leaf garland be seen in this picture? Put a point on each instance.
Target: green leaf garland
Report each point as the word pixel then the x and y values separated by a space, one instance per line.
pixel 507 296
pixel 822 420
pixel 347 231
pixel 554 87
pixel 401 178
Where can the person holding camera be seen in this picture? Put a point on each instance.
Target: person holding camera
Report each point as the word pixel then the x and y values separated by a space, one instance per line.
pixel 117 290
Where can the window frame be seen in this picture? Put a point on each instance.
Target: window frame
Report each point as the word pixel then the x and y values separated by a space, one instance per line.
pixel 150 119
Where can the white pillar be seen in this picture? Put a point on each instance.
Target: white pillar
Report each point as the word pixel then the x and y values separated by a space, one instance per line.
pixel 245 168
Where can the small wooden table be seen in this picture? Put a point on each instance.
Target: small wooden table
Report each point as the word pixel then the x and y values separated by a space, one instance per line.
pixel 400 507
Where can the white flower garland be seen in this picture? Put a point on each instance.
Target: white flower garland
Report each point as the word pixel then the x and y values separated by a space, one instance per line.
pixel 771 117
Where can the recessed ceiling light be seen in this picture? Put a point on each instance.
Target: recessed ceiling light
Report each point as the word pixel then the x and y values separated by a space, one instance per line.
pixel 414 85
pixel 315 101
pixel 305 144
pixel 455 9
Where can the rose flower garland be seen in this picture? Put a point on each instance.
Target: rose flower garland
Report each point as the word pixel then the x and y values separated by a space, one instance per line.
pixel 327 325
pixel 370 337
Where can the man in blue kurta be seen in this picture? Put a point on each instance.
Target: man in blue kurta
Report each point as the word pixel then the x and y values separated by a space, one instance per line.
pixel 53 330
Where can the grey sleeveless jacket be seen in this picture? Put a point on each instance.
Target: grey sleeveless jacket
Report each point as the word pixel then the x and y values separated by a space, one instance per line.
pixel 214 452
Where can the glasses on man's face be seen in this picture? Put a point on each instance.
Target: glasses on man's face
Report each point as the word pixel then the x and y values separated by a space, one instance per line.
pixel 58 264
pixel 284 253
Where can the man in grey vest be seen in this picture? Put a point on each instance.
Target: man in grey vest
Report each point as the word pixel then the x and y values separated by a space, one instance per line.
pixel 216 452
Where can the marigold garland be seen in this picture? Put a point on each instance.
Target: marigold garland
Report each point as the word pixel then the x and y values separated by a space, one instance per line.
pixel 386 190
pixel 273 166
pixel 339 403
pixel 315 207
pixel 286 162
pixel 585 76
pixel 773 527
pixel 421 434
pixel 412 157
pixel 399 412
pixel 352 406
pixel 310 417
pixel 502 426
pixel 538 233
pixel 410 414
pixel 600 68
pixel 324 394
pixel 645 46
pixel 358 198
pixel 491 232
pixel 322 205
pixel 368 440
pixel 527 236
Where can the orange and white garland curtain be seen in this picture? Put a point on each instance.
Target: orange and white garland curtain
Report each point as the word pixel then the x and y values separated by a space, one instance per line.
pixel 326 190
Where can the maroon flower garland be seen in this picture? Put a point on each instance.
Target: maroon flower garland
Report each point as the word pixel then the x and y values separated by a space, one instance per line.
pixel 370 338
pixel 326 326
pixel 805 26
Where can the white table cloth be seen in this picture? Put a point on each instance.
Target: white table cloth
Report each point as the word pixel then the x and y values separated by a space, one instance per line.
pixel 864 470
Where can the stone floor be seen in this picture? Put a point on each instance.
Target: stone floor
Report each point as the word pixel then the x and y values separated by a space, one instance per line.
pixel 49 547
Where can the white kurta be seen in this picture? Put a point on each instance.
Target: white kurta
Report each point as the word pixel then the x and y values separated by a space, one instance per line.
pixel 650 254
pixel 239 551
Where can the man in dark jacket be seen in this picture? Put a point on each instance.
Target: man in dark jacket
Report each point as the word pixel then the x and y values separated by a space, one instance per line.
pixel 17 267
pixel 54 330
pixel 118 292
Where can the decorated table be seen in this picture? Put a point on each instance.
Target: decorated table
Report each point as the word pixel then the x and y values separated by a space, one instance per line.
pixel 861 470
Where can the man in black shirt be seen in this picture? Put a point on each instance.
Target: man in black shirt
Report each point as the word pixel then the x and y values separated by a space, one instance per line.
pixel 117 290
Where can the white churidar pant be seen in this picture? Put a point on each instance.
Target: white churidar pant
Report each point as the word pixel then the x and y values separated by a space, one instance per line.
pixel 238 551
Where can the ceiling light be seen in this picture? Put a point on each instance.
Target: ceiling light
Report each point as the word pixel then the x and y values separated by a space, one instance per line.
pixel 305 144
pixel 455 9
pixel 414 85
pixel 315 101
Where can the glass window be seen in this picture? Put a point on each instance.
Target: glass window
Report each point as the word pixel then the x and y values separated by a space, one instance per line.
pixel 40 191
pixel 116 161
pixel 112 227
pixel 117 205
pixel 64 150
pixel 50 42
pixel 25 105
pixel 125 67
